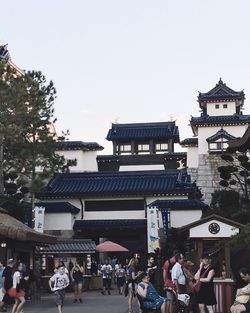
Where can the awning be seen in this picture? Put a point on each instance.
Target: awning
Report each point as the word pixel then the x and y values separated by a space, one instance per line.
pixel 69 246
pixel 11 228
pixel 81 224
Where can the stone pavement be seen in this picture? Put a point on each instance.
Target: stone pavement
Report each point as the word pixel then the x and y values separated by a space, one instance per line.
pixel 93 302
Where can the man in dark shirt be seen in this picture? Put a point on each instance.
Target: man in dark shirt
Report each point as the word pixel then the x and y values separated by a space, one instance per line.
pixel 7 284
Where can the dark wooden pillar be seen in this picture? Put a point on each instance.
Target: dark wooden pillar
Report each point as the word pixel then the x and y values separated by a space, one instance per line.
pixel 115 148
pixel 133 147
pixel 151 146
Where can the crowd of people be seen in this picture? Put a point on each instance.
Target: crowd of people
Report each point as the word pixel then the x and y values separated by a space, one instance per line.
pixel 180 284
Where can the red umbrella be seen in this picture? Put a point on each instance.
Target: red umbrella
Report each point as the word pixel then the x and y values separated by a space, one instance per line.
pixel 109 246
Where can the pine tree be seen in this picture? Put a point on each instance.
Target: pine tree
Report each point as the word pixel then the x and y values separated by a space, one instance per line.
pixel 26 128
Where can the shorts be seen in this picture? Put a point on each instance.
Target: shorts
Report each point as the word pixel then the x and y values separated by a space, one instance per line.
pixel 170 296
pixel 13 293
pixel 107 282
pixel 60 295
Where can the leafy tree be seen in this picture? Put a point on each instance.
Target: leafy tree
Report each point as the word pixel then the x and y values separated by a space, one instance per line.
pixel 28 138
pixel 233 201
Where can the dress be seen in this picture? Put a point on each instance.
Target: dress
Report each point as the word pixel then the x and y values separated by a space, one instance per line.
pixel 152 300
pixel 206 294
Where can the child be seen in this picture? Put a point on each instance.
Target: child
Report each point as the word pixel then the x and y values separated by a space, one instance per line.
pixel 60 281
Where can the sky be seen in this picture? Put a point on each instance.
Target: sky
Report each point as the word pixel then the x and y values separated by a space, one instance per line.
pixel 129 61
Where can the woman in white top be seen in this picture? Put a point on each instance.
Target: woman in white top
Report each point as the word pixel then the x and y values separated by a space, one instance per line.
pixel 16 291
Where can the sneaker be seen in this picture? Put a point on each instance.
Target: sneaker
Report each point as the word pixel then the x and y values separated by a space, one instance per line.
pixel 75 300
pixel 103 292
pixel 109 293
pixel 80 300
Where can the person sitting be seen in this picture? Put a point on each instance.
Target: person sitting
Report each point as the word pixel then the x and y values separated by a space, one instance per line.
pixel 242 300
pixel 150 299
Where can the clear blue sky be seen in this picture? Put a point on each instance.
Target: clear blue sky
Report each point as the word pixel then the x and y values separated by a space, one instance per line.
pixel 131 60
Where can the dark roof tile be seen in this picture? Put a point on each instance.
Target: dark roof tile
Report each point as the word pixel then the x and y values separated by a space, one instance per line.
pixel 144 131
pixel 181 204
pixel 69 246
pixel 58 207
pixel 220 134
pixel 78 145
pixel 114 183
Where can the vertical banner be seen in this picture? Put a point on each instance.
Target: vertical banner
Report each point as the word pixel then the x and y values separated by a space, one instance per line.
pixel 165 221
pixel 153 229
pixel 39 219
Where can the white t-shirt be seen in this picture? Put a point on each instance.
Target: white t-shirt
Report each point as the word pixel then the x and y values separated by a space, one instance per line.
pixel 60 281
pixel 15 277
pixel 178 274
pixel 106 271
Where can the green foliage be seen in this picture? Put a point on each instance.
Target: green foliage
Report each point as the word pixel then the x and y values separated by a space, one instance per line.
pixel 240 241
pixel 29 138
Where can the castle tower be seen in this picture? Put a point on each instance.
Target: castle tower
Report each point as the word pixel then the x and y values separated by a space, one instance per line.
pixel 221 120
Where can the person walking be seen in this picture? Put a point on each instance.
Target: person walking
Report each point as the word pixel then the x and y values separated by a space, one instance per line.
pixel 6 285
pixel 205 297
pixel 76 275
pixel 120 275
pixel 242 300
pixel 58 283
pixel 17 290
pixel 106 270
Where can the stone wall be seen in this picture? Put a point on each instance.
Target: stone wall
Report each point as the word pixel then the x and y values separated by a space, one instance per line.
pixel 207 175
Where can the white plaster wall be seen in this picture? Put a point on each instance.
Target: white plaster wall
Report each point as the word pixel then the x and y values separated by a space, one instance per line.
pixel 230 110
pixel 58 221
pixel 114 215
pixel 179 218
pixel 152 167
pixel 201 231
pixel 206 132
pixel 86 160
pixel 192 157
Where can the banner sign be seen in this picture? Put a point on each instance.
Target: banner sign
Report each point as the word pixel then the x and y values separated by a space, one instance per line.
pixel 165 220
pixel 153 229
pixel 39 219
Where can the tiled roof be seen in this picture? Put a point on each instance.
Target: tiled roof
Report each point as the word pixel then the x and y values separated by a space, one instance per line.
pixel 144 131
pixel 78 145
pixel 79 224
pixel 221 92
pixel 220 134
pixel 179 204
pixel 69 246
pixel 114 183
pixel 218 120
pixel 58 207
pixel 189 142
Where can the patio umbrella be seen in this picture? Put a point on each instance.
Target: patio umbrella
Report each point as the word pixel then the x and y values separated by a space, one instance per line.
pixel 109 246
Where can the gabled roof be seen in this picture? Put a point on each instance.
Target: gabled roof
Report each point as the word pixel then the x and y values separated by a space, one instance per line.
pixel 101 184
pixel 209 218
pixel 189 142
pixel 69 246
pixel 58 207
pixel 144 131
pixel 208 120
pixel 220 134
pixel 182 204
pixel 221 92
pixel 78 145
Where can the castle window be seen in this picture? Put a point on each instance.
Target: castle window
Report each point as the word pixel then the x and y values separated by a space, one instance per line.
pixel 217 106
pixel 219 145
pixel 125 148
pixel 225 106
pixel 161 147
pixel 143 148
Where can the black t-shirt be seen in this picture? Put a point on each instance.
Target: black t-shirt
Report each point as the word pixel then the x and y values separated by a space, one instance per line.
pixel 7 273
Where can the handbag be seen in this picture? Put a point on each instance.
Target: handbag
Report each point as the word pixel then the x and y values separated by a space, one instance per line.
pixel 197 284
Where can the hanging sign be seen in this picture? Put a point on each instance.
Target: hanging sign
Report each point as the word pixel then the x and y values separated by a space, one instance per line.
pixel 39 219
pixel 153 229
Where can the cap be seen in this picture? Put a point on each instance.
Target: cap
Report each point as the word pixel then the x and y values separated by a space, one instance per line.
pixel 11 261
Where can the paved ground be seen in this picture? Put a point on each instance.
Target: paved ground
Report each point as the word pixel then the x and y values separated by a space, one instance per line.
pixel 93 302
